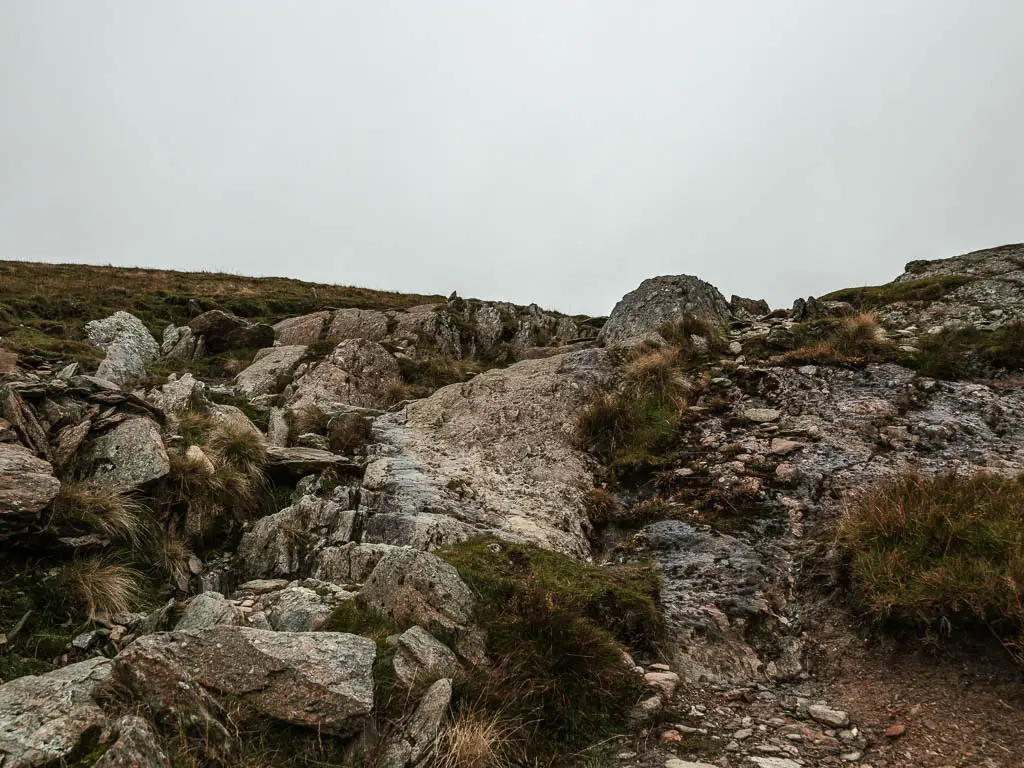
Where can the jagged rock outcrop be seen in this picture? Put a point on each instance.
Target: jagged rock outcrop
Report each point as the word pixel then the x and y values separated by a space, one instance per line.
pixel 357 372
pixel 47 718
pixel 495 454
pixel 321 680
pixel 27 483
pixel 283 543
pixel 658 300
pixel 748 309
pixel 457 328
pixel 128 344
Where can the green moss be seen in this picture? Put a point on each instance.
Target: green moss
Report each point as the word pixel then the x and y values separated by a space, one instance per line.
pixel 925 289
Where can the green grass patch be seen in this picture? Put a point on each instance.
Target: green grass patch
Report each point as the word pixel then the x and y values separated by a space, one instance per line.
pixel 958 353
pixel 554 628
pixel 940 552
pixel 925 289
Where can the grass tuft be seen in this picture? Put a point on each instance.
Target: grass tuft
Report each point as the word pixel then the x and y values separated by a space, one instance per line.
pixel 940 552
pixel 103 588
pixel 477 740
pixel 554 628
pixel 847 341
pixel 111 514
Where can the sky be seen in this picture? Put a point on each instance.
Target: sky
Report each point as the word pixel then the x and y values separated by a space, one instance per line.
pixel 548 151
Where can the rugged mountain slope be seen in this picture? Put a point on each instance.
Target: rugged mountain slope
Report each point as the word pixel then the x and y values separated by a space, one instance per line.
pixel 480 489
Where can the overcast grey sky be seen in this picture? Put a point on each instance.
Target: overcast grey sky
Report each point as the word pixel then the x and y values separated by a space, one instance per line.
pixel 530 150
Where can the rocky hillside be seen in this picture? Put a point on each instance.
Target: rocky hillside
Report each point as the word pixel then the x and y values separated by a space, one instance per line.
pixel 264 523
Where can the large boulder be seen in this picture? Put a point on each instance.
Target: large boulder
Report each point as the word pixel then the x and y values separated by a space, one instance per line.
pixel 48 718
pixel 222 332
pixel 321 680
pixel 128 343
pixel 495 454
pixel 357 324
pixel 302 330
pixel 264 373
pixel 128 456
pixel 659 300
pixel 27 483
pixel 357 372
pixel 417 587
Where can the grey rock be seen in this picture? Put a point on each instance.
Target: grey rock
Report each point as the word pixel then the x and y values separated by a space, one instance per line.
pixel 781 338
pixel 834 718
pixel 421 659
pixel 27 483
pixel 421 730
pixel 129 347
pixel 357 324
pixel 302 330
pixel 748 309
pixel 348 564
pixel 128 456
pixel 137 746
pixel 322 680
pixel 495 454
pixel 659 300
pixel 358 372
pixel 301 461
pixel 209 609
pixel 412 586
pixel 761 415
pixel 298 609
pixel 222 332
pixel 279 544
pixel 262 375
pixel 180 396
pixel 45 719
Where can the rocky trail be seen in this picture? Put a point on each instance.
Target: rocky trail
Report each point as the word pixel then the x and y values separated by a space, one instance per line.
pixel 321 555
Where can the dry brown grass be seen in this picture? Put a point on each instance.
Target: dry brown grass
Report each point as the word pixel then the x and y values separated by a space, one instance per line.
pixel 476 740
pixel 656 373
pixel 940 552
pixel 103 588
pixel 44 307
pixel 853 340
pixel 109 513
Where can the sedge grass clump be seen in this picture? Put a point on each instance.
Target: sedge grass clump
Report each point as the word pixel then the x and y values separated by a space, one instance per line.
pixel 847 341
pixel 112 514
pixel 102 588
pixel 940 552
pixel 555 629
pixel 240 447
pixel 637 424
pixel 221 482
pixel 477 739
